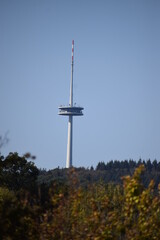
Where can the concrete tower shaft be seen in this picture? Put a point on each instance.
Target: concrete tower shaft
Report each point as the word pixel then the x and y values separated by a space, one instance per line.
pixel 69 142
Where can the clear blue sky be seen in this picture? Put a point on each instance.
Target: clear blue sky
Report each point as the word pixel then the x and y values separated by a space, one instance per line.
pixel 116 79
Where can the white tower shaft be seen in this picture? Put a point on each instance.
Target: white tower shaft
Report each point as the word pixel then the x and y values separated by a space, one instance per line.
pixel 70 120
pixel 69 143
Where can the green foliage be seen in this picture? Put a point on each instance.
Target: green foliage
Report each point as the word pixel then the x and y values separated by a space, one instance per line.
pixel 17 173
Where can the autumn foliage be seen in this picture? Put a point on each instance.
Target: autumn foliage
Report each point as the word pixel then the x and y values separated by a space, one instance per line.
pixel 70 211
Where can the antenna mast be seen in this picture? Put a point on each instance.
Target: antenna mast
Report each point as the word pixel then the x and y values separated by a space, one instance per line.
pixel 71 85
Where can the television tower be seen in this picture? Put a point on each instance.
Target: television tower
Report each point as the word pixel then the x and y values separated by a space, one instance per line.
pixel 70 111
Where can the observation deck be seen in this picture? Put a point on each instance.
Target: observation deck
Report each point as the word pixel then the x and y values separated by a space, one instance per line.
pixel 70 111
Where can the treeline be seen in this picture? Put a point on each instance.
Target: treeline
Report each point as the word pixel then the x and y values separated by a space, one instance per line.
pixel 112 171
pixel 66 204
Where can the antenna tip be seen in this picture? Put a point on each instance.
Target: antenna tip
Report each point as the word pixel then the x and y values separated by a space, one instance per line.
pixel 73 42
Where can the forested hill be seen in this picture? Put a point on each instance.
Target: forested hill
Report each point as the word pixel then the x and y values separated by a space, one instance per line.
pixel 16 172
pixel 79 203
pixel 110 172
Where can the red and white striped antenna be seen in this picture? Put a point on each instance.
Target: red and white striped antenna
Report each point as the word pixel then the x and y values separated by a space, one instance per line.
pixel 71 86
pixel 72 51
